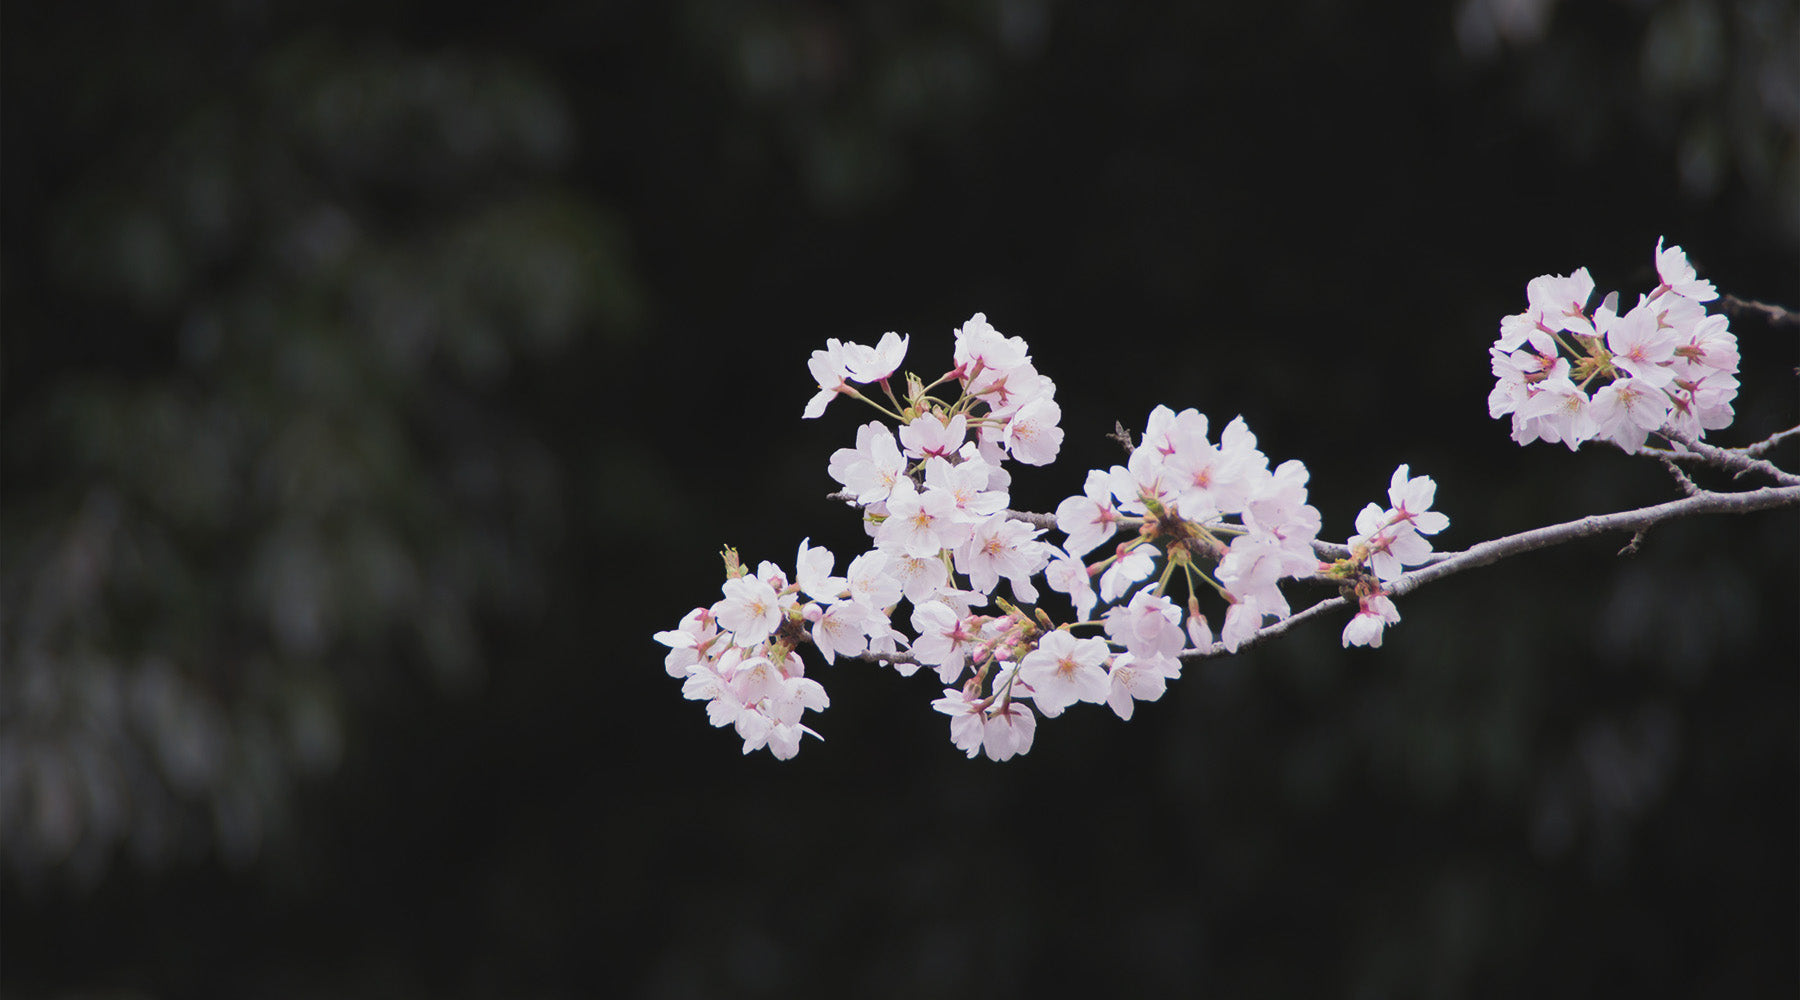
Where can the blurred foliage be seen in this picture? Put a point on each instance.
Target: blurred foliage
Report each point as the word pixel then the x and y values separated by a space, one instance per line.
pixel 840 94
pixel 1715 81
pixel 378 377
pixel 266 467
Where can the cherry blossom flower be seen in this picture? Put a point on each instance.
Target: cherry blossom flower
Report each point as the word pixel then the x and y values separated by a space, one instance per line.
pixel 1032 434
pixel 1132 565
pixel 945 638
pixel 1560 303
pixel 755 677
pixel 872 364
pixel 1526 328
pixel 688 641
pixel 1008 731
pixel 1390 547
pixel 1557 410
pixel 1255 564
pixel 929 434
pixel 1278 510
pixel 1063 670
pixel 1211 480
pixel 1002 547
pixel 966 482
pixel 776 722
pixel 831 369
pixel 812 571
pixel 1242 620
pixel 1703 404
pixel 1166 430
pixel 873 467
pixel 1133 679
pixel 921 578
pixel 1007 391
pixel 1149 626
pixel 920 523
pixel 1678 275
pixel 868 581
pixel 979 345
pixel 1627 411
pixel 750 610
pixel 1516 374
pixel 1199 630
pixel 1411 497
pixel 841 629
pixel 707 683
pixel 1673 311
pixel 1708 346
pixel 1142 481
pixel 1066 575
pixel 764 701
pixel 1090 518
pixel 1007 394
pixel 1374 614
pixel 1642 348
pixel 967 719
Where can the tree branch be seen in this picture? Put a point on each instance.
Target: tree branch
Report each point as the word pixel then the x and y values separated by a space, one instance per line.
pixel 1034 519
pixel 1776 315
pixel 1769 443
pixel 1450 563
pixel 1637 521
pixel 1737 459
pixel 1705 502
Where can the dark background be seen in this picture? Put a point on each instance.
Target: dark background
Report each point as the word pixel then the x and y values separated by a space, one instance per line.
pixel 378 377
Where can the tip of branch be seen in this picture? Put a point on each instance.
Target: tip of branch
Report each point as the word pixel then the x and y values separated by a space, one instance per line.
pixel 1123 436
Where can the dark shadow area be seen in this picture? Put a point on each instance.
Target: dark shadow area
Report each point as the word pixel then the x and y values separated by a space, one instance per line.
pixel 377 378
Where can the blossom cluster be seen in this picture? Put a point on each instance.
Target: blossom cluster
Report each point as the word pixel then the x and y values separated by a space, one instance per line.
pixel 933 497
pixel 1663 366
pixel 1388 541
pixel 1210 516
pixel 1195 502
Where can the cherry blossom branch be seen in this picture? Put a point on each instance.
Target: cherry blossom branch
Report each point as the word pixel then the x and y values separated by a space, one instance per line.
pixel 1769 443
pixel 1486 553
pixel 1036 520
pixel 1776 315
pixel 1442 564
pixel 1218 517
pixel 1445 564
pixel 880 658
pixel 1706 502
pixel 1688 486
pixel 1739 460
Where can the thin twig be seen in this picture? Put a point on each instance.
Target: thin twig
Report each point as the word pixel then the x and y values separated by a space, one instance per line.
pixel 1730 458
pixel 1681 478
pixel 1776 315
pixel 1768 443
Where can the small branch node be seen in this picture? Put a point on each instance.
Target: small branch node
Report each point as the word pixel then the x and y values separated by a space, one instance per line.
pixel 1687 485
